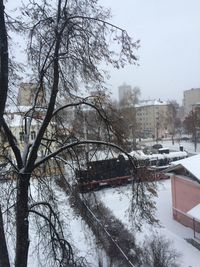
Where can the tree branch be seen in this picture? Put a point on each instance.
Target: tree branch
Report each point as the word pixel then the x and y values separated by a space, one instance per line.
pixel 97 19
pixel 66 251
pixel 4 258
pixel 83 102
pixel 50 109
pixel 13 143
pixel 78 143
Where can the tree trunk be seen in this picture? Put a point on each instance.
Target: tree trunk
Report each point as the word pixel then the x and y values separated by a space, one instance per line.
pixel 4 259
pixel 22 227
pixel 3 61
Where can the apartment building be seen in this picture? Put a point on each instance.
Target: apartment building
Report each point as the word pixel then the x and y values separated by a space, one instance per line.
pixel 153 119
pixel 190 98
pixel 27 93
pixel 23 122
pixel 23 126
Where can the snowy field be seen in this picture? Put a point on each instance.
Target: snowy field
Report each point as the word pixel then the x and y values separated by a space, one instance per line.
pixel 118 203
pixel 118 200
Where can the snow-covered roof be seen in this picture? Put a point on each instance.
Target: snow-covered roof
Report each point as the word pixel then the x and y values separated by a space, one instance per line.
pixel 16 120
pixel 140 155
pixel 153 102
pixel 22 109
pixel 195 212
pixel 191 164
pixel 163 149
pixel 15 109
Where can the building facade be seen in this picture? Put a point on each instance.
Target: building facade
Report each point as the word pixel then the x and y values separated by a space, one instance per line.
pixel 185 178
pixel 27 94
pixel 153 119
pixel 190 98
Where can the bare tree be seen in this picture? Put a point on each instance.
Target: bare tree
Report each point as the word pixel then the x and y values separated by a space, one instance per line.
pixel 131 97
pixel 172 120
pixel 128 114
pixel 191 124
pixel 67 40
pixel 159 252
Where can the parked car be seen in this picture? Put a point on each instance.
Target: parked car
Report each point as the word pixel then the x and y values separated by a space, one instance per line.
pixel 157 146
pixel 185 138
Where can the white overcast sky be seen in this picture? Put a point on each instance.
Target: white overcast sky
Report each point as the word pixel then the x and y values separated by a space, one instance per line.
pixel 169 56
pixel 169 31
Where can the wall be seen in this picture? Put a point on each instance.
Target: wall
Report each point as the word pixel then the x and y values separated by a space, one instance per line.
pixel 185 196
pixel 190 98
pixel 153 119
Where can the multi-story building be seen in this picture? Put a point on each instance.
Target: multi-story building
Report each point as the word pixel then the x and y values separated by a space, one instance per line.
pixel 190 98
pixel 22 125
pixel 124 90
pixel 27 93
pixel 24 121
pixel 153 119
pixel 25 128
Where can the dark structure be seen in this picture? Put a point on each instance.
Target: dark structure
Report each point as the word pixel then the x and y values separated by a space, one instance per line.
pixel 110 172
pixel 119 171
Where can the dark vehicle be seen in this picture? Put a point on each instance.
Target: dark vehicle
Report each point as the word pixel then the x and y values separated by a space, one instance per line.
pixel 185 138
pixel 120 171
pixel 157 146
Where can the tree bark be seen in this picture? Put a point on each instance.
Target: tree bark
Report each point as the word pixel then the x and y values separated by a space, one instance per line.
pixel 4 258
pixel 22 226
pixel 3 61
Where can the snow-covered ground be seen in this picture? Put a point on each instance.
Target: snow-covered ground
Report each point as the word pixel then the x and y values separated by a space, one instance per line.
pixel 187 145
pixel 80 235
pixel 118 203
pixel 118 200
pixel 75 230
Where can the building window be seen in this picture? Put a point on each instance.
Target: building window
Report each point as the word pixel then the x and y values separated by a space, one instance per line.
pixel 21 136
pixel 33 135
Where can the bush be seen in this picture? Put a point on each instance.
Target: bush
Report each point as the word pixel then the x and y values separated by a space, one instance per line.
pixel 159 252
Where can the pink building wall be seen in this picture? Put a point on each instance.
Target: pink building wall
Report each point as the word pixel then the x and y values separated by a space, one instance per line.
pixel 185 196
